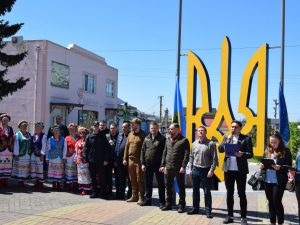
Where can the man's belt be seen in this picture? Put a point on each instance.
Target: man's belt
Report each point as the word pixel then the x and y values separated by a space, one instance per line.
pixel 201 168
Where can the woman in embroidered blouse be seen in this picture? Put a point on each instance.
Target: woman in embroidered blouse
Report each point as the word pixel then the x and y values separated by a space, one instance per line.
pixel 39 141
pixel 84 178
pixel 56 149
pixel 22 152
pixel 6 149
pixel 71 167
pixel 276 178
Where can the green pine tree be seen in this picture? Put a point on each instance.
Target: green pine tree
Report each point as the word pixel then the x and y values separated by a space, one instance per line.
pixel 6 61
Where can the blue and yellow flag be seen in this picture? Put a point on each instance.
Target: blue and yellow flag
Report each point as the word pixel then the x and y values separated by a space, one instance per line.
pixel 178 114
pixel 124 107
pixel 178 117
pixel 284 126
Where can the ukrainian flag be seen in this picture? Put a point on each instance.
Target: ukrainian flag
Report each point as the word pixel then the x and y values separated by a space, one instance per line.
pixel 284 126
pixel 178 117
pixel 178 114
pixel 124 107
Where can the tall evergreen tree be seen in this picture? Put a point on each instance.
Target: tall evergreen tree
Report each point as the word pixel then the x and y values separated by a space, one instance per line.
pixel 6 30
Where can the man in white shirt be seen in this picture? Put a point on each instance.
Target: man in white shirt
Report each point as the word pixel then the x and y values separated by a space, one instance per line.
pixel 236 169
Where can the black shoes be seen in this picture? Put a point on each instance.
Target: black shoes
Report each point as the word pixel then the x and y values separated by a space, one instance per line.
pixel 105 197
pixel 181 210
pixel 94 195
pixel 228 220
pixel 119 197
pixel 146 203
pixel 166 208
pixel 194 211
pixel 161 205
pixel 208 215
pixel 244 221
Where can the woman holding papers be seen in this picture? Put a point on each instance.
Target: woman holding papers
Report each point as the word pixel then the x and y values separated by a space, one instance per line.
pixel 275 176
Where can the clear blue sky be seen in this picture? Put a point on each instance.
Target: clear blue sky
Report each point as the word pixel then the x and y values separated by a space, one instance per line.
pixel 139 38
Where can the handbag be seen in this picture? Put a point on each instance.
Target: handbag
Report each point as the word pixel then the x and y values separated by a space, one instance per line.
pixel 253 181
pixel 256 180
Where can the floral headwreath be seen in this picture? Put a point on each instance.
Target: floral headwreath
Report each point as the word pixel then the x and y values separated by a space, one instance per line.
pixel 40 124
pixel 21 122
pixel 55 126
pixel 5 115
pixel 80 129
pixel 73 125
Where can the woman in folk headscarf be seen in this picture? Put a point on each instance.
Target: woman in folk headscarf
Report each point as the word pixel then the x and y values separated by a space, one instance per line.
pixel 39 142
pixel 71 167
pixel 22 152
pixel 55 156
pixel 6 149
pixel 84 178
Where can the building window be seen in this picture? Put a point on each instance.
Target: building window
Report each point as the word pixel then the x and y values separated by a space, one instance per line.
pixel 86 118
pixel 110 88
pixel 109 117
pixel 88 83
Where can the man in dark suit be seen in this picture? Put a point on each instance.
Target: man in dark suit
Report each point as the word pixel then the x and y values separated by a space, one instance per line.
pixel 62 128
pixel 236 169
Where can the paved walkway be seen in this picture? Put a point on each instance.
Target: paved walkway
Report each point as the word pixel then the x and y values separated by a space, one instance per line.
pixel 32 206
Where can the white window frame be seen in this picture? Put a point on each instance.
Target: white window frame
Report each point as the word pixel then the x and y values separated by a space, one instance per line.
pixel 112 93
pixel 83 83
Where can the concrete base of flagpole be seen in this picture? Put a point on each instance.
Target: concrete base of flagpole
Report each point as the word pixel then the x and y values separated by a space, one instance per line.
pixel 174 197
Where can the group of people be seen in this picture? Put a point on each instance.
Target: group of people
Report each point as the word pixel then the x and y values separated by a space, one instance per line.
pixel 37 156
pixel 135 157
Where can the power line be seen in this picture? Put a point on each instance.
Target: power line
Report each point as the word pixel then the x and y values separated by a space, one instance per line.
pixel 151 107
pixel 156 50
pixel 238 74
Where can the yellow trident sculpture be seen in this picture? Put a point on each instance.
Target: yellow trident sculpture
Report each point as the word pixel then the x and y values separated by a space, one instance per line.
pixel 195 119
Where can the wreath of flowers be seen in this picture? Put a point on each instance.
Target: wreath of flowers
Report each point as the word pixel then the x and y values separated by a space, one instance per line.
pixel 55 126
pixel 5 115
pixel 80 129
pixel 21 122
pixel 73 125
pixel 40 124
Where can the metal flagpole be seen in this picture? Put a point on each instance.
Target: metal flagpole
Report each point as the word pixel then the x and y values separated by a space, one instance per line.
pixel 179 41
pixel 282 43
pixel 178 68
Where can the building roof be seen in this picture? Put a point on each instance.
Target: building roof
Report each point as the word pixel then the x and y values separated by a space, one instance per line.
pixel 120 102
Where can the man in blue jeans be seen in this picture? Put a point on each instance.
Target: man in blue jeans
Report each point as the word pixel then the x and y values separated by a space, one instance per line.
pixel 151 155
pixel 203 161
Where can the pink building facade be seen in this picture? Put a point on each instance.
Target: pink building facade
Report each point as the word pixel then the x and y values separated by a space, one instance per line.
pixel 72 82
